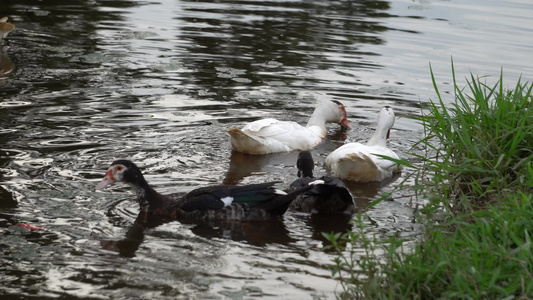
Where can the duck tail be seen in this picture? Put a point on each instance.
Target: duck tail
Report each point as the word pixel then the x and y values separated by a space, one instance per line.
pixel 243 142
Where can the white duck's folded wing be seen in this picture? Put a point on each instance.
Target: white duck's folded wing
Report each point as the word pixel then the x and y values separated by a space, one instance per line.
pixel 271 136
pixel 386 165
pixel 258 125
pixel 358 162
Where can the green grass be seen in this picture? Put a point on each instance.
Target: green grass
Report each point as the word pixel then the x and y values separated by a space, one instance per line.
pixel 483 142
pixel 487 258
pixel 478 174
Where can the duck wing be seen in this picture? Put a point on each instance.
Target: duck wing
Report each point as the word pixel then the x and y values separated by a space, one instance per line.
pixel 271 136
pixel 253 199
pixel 217 197
pixel 384 164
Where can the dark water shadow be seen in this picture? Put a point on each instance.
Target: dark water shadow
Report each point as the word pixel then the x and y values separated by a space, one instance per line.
pixel 253 233
pixel 6 198
pixel 321 223
pixel 243 165
pixel 270 38
pixel 134 237
pixel 364 192
pixel 6 65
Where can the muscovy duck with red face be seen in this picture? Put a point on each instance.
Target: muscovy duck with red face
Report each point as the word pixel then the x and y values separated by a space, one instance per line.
pixel 255 202
pixel 331 197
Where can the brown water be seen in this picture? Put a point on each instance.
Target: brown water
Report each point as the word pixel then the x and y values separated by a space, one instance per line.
pixel 159 82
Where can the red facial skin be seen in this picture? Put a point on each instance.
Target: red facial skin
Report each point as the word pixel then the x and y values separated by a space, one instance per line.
pixel 344 121
pixel 29 227
pixel 109 177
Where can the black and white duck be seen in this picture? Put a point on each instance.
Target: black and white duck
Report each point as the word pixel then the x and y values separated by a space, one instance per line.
pixel 254 202
pixel 330 197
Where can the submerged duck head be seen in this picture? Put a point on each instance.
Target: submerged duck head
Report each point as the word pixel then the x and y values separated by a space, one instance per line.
pixel 342 117
pixel 329 112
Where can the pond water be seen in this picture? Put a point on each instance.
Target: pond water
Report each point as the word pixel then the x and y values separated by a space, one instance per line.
pixel 159 82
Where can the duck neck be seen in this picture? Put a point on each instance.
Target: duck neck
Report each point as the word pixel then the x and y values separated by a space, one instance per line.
pixel 305 173
pixel 147 197
pixel 317 119
pixel 380 136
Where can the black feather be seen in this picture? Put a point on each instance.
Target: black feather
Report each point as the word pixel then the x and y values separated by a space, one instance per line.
pixel 331 197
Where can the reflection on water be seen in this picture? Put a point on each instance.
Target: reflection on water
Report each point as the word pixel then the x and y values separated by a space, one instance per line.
pixel 253 233
pixel 84 83
pixel 6 65
pixel 243 165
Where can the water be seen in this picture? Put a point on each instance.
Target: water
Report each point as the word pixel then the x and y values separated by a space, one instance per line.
pixel 82 84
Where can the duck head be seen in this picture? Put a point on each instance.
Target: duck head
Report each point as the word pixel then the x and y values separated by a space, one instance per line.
pixel 329 112
pixel 122 171
pixel 386 119
pixel 385 123
pixel 342 116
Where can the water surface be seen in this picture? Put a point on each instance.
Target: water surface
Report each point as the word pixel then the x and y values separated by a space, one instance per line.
pixel 160 82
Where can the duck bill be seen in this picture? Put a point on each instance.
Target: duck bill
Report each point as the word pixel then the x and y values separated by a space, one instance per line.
pixel 108 180
pixel 344 123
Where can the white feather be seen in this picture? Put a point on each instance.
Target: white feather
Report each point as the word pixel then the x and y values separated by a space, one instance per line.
pixel 316 182
pixel 358 162
pixel 259 124
pixel 279 192
pixel 227 200
pixel 271 136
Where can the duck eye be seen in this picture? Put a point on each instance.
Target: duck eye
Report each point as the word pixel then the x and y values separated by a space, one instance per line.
pixel 120 168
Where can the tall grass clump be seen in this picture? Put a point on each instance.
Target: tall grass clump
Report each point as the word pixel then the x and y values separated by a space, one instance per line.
pixel 482 143
pixel 478 172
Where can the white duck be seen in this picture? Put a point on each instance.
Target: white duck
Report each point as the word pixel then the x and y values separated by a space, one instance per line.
pixel 358 162
pixel 271 136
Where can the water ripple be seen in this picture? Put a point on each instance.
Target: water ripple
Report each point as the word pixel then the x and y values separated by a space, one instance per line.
pixel 160 82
